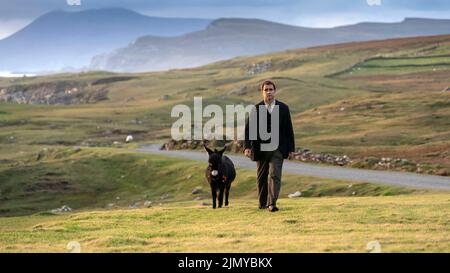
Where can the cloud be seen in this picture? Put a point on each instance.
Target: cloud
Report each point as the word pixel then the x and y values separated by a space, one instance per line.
pixel 348 18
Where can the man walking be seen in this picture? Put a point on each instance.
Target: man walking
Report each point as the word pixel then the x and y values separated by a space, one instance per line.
pixel 270 161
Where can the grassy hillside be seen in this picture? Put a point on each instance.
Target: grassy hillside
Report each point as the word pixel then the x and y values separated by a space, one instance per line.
pixel 381 98
pixel 100 185
pixel 107 188
pixel 97 178
pixel 330 224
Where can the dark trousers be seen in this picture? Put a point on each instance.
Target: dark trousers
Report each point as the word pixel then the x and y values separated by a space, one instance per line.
pixel 268 178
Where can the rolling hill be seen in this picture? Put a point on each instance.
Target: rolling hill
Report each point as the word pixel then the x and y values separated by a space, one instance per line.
pixel 366 100
pixel 386 98
pixel 231 37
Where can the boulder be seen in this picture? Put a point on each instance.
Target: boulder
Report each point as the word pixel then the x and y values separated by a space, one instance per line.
pixel 197 190
pixel 295 194
pixel 62 209
pixel 129 138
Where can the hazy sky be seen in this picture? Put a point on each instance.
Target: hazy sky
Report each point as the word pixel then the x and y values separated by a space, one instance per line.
pixel 14 14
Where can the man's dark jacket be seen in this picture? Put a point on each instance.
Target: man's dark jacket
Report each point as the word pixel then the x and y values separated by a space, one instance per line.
pixel 286 137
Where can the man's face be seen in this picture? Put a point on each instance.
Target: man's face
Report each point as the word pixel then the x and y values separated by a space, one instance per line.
pixel 268 92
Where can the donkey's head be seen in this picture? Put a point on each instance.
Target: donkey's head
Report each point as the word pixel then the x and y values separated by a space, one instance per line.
pixel 215 163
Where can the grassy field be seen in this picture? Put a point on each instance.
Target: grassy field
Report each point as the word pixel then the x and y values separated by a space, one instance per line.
pixel 93 178
pixel 381 98
pixel 326 224
pixel 100 185
pixel 371 99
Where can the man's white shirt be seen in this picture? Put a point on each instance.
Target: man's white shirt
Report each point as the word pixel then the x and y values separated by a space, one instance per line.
pixel 270 106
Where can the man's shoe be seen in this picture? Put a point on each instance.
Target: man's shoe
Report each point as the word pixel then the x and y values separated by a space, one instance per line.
pixel 273 209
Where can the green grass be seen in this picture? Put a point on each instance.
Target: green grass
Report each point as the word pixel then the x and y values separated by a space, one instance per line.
pixel 397 66
pixel 392 107
pixel 411 61
pixel 330 224
pixel 397 73
pixel 95 177
pixel 331 216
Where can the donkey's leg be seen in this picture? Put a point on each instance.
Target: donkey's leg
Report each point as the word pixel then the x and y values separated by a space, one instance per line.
pixel 227 192
pixel 221 196
pixel 214 195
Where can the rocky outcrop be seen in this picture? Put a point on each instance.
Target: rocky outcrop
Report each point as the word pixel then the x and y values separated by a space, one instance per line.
pixel 307 155
pixel 258 68
pixel 62 209
pixel 399 164
pixel 234 146
pixel 58 92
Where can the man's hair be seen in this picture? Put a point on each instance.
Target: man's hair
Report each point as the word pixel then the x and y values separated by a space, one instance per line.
pixel 267 82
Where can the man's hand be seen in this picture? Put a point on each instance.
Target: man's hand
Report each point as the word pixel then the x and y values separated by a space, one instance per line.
pixel 247 152
pixel 291 155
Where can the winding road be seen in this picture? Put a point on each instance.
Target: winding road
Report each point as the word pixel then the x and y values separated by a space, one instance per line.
pixel 403 179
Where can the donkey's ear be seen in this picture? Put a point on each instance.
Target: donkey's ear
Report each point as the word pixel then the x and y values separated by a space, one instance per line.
pixel 207 149
pixel 223 150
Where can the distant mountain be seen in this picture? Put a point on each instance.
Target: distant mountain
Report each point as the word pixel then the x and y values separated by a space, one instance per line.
pixel 228 38
pixel 62 39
